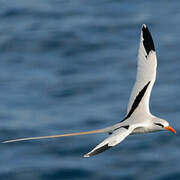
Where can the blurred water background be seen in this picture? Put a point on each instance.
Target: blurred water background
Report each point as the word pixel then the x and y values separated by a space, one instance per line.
pixel 69 65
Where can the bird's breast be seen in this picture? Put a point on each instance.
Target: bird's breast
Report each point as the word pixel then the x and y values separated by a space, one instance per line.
pixel 142 130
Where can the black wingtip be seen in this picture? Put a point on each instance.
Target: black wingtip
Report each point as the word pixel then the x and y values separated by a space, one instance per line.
pixel 147 39
pixel 143 26
pixel 97 151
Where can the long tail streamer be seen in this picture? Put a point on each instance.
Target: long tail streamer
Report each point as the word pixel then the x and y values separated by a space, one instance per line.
pixel 56 136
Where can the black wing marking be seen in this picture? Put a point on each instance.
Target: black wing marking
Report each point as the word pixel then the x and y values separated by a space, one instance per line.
pixel 99 150
pixel 126 127
pixel 147 40
pixel 137 101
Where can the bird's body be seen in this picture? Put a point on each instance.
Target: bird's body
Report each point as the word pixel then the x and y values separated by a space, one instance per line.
pixel 138 119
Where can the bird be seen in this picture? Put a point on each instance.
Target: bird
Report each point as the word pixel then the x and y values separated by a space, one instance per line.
pixel 138 119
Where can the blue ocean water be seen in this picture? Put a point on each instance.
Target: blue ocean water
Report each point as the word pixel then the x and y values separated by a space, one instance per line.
pixel 70 65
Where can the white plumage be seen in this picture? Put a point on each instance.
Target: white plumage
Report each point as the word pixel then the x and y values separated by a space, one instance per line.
pixel 146 71
pixel 138 118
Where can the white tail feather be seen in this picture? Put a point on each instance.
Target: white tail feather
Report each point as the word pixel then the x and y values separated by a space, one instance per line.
pixel 56 136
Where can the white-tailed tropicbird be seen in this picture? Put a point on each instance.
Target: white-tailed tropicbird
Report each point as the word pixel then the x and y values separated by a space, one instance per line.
pixel 138 119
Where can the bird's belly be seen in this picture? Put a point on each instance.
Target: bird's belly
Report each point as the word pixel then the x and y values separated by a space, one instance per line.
pixel 141 130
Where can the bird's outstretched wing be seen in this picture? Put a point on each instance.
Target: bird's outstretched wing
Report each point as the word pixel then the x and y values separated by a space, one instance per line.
pixel 146 75
pixel 139 99
pixel 115 138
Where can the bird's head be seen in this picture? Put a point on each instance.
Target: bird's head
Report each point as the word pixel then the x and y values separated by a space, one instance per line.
pixel 161 124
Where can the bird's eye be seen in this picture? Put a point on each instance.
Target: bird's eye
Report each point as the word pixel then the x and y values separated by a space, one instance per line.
pixel 159 124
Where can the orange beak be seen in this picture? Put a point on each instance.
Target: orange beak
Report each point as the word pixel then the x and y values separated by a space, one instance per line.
pixel 169 128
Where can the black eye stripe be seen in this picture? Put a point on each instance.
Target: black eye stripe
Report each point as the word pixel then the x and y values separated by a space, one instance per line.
pixel 159 124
